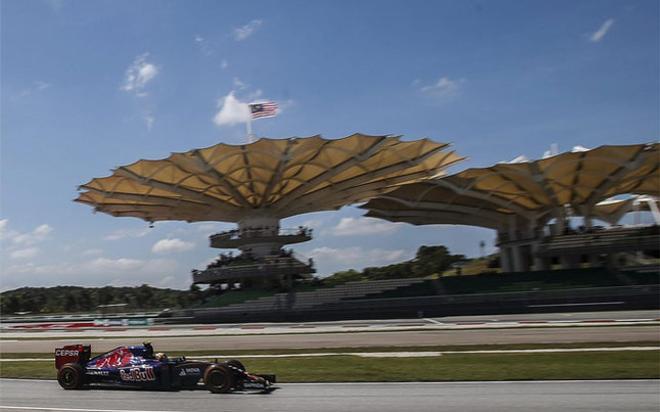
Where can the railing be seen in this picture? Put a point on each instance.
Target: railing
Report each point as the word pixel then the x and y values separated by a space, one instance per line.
pixel 274 265
pixel 604 241
pixel 237 234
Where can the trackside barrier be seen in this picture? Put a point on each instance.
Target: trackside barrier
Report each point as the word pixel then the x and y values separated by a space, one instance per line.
pixel 595 299
pixel 124 322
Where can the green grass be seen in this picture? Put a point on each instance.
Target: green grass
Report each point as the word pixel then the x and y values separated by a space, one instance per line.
pixel 458 367
pixel 613 365
pixel 472 267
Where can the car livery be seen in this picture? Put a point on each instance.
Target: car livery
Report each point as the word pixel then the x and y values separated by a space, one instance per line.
pixel 137 366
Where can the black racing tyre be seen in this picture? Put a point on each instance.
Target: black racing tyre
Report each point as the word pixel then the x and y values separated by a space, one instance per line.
pixel 219 379
pixel 233 363
pixel 71 376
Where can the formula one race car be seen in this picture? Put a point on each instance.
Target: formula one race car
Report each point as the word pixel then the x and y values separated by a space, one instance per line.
pixel 139 367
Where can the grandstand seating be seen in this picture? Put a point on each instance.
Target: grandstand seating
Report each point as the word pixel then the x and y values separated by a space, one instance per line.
pixel 530 281
pixel 306 300
pixel 598 288
pixel 603 241
pixel 448 286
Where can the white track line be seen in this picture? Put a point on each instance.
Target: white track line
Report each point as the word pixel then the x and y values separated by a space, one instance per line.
pixel 421 354
pixel 406 354
pixel 89 333
pixel 40 408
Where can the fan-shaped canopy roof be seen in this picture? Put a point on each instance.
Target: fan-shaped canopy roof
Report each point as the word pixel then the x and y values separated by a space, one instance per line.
pixel 277 177
pixel 532 191
pixel 427 202
pixel 612 210
pixel 572 178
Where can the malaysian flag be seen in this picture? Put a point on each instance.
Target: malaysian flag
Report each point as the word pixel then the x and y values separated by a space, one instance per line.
pixel 261 110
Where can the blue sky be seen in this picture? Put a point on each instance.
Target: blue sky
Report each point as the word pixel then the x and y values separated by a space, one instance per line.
pixel 495 78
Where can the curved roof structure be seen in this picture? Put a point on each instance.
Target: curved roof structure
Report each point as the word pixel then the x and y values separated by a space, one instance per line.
pixel 427 203
pixel 277 177
pixel 612 210
pixel 532 191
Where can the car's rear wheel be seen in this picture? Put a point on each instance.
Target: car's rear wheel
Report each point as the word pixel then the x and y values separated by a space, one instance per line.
pixel 219 379
pixel 71 376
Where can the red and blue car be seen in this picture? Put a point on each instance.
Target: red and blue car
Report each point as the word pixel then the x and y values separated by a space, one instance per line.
pixel 140 367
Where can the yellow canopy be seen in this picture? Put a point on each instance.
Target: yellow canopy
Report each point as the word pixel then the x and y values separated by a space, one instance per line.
pixel 278 177
pixel 532 190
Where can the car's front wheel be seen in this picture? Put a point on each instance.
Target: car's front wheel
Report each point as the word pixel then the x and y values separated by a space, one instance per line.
pixel 219 379
pixel 71 376
pixel 236 365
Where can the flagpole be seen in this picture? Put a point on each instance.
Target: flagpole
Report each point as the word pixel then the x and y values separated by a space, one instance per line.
pixel 248 126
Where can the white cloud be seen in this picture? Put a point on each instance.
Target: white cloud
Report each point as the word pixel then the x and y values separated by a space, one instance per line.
pixel 171 245
pixel 119 272
pixel 350 226
pixel 444 87
pixel 355 257
pixel 24 253
pixel 517 159
pixel 39 234
pixel 203 45
pixel 255 95
pixel 101 265
pixel 92 252
pixel 247 30
pixel 36 87
pixel 149 120
pixel 3 227
pixel 599 34
pixel 285 105
pixel 579 148
pixel 126 233
pixel 232 111
pixel 224 64
pixel 239 84
pixel 167 282
pixel 138 74
pixel 208 227
pixel 39 85
pixel 313 223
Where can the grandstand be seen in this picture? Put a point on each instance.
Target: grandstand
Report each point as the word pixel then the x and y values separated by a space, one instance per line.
pixel 602 241
pixel 558 290
pixel 256 185
pixel 530 204
pixel 322 296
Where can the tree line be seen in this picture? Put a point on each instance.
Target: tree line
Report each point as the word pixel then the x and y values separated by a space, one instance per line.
pixel 428 260
pixel 67 299
pixel 80 299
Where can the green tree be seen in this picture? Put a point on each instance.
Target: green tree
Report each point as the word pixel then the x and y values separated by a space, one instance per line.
pixel 144 295
pixel 85 300
pixel 70 303
pixel 11 305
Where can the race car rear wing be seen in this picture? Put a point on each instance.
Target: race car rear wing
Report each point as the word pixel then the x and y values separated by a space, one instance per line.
pixel 72 354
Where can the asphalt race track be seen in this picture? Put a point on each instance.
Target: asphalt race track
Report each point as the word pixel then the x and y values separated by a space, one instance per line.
pixel 357 339
pixel 585 396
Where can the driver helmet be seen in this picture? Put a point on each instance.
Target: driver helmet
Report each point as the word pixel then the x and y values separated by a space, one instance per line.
pixel 160 356
pixel 149 350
